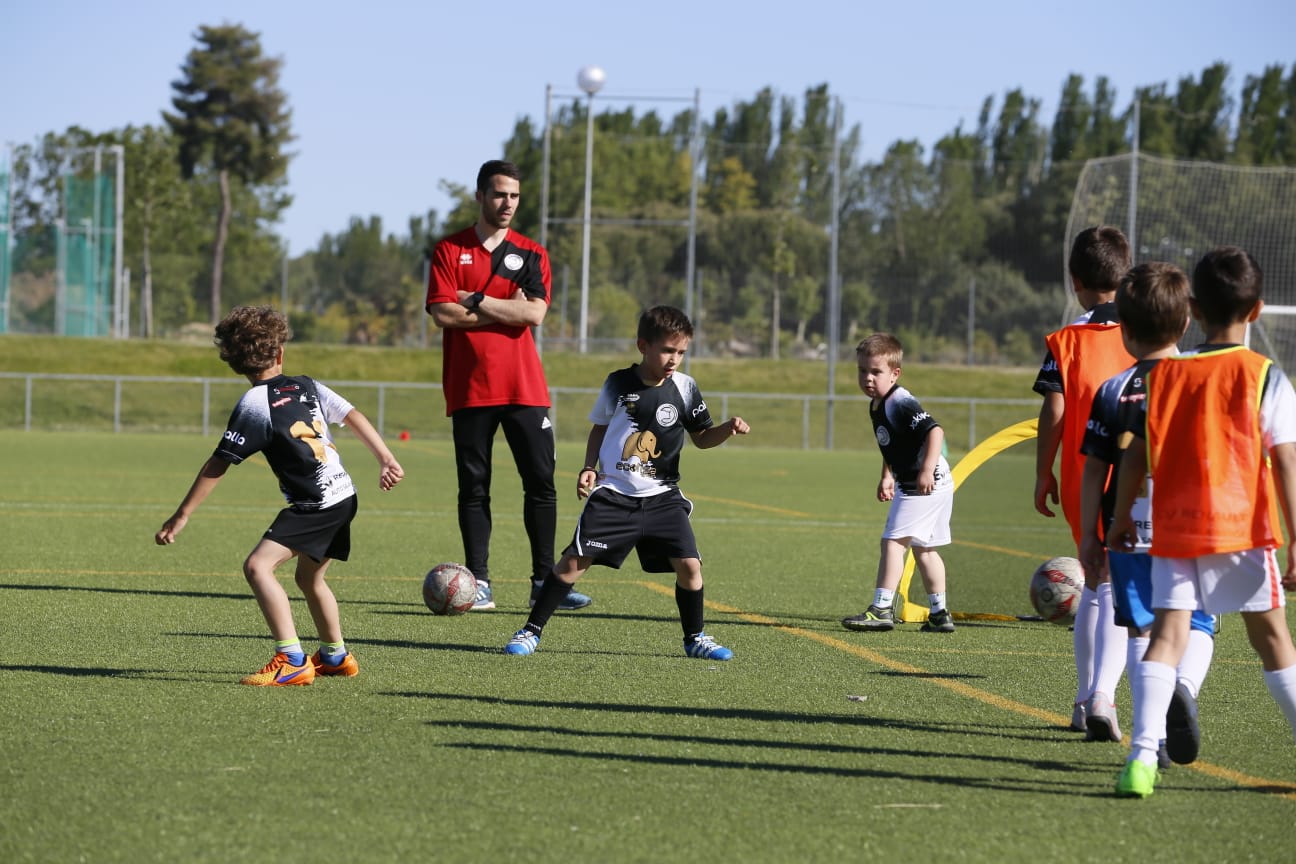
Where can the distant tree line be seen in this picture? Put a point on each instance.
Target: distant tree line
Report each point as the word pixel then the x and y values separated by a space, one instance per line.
pixel 979 215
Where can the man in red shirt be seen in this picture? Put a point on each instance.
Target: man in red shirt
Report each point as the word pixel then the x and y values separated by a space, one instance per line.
pixel 489 286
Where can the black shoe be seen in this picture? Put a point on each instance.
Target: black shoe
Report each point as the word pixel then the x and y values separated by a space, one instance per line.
pixel 871 618
pixel 939 622
pixel 1183 734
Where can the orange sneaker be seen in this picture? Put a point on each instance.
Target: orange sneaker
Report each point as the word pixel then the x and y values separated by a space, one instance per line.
pixel 346 668
pixel 280 672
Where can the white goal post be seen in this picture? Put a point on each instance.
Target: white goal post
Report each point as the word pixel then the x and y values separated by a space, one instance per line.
pixel 1176 210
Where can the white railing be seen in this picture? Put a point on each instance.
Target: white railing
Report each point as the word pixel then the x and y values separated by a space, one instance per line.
pixel 169 403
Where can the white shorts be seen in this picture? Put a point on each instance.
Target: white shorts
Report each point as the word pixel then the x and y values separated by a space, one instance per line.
pixel 921 520
pixel 1247 581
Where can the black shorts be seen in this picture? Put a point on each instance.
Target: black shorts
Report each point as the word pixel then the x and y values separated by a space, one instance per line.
pixel 318 533
pixel 657 527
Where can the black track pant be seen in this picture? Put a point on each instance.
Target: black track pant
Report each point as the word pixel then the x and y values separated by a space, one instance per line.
pixel 530 437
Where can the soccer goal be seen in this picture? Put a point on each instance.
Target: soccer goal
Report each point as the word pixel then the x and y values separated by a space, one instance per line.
pixel 1176 211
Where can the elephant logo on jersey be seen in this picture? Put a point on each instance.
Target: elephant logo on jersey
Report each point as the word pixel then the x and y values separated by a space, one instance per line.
pixel 641 444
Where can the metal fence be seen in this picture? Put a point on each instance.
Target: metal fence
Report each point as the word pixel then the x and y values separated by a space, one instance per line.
pixel 133 403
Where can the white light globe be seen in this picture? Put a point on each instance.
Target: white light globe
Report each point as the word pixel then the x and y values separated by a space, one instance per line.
pixel 590 79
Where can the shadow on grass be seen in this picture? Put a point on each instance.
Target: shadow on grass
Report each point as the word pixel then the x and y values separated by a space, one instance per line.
pixel 110 672
pixel 942 676
pixel 1032 732
pixel 780 744
pixel 1060 785
pixel 206 595
pixel 149 592
pixel 381 643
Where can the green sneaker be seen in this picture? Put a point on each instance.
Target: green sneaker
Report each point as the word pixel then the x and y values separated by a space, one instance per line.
pixel 1136 780
pixel 872 618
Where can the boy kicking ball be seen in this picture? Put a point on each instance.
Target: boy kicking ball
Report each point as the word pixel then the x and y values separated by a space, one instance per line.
pixel 630 482
pixel 286 419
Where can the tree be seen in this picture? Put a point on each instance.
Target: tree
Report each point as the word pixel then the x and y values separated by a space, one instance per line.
pixel 231 119
pixel 159 218
pixel 1260 118
pixel 1203 115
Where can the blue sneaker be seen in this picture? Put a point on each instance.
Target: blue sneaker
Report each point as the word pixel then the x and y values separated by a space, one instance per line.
pixel 573 600
pixel 485 599
pixel 703 647
pixel 523 643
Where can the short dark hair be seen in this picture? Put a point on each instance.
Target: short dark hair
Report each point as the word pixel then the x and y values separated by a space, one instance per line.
pixel 1227 283
pixel 882 345
pixel 249 338
pixel 1100 257
pixel 1152 303
pixel 493 168
pixel 660 322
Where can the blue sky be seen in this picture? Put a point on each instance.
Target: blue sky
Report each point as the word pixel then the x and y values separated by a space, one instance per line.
pixel 390 98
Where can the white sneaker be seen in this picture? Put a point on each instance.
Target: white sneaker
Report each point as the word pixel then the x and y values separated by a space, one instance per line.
pixel 1100 719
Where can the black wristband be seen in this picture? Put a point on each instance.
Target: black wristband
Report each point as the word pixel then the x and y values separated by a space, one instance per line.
pixel 474 301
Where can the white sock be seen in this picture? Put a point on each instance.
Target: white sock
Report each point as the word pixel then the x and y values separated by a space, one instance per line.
pixel 1196 660
pixel 1155 688
pixel 936 601
pixel 883 598
pixel 1282 687
pixel 1082 640
pixel 1135 648
pixel 1109 645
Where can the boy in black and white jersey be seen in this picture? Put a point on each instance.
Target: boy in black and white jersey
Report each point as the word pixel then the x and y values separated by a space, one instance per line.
pixel 916 480
pixel 642 418
pixel 286 419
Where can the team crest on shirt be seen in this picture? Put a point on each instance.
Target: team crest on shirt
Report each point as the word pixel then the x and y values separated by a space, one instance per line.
pixel 512 261
pixel 883 436
pixel 666 415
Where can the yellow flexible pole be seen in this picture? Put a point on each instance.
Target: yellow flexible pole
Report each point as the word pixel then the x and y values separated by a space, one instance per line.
pixel 910 612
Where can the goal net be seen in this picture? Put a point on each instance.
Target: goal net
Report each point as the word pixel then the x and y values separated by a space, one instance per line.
pixel 1176 211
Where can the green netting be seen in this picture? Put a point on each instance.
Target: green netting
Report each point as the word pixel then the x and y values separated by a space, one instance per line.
pixel 5 262
pixel 86 253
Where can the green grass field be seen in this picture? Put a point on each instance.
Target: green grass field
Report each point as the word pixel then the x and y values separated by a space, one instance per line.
pixel 127 738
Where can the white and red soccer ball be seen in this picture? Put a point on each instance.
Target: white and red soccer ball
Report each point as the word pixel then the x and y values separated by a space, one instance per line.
pixel 1055 588
pixel 449 589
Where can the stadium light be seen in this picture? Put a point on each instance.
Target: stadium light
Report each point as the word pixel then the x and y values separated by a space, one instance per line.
pixel 590 79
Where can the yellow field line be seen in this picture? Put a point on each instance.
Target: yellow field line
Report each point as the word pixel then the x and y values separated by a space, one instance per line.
pixel 1003 550
pixel 751 505
pixel 1276 787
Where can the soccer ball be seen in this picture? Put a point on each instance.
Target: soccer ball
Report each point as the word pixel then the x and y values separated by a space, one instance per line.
pixel 449 589
pixel 1055 588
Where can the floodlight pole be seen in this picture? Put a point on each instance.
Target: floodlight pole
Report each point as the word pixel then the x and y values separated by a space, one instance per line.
pixel 834 279
pixel 690 268
pixel 590 79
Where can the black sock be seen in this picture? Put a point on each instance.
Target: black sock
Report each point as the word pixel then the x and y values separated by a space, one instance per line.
pixel 552 592
pixel 690 610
